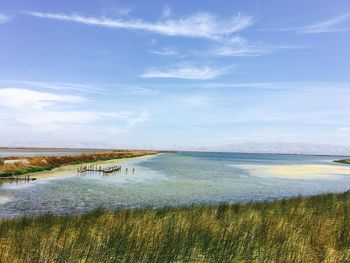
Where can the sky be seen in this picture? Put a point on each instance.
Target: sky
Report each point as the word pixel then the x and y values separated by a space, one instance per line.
pixel 168 74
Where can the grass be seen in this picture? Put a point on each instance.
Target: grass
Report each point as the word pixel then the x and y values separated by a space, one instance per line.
pixel 312 229
pixel 45 163
pixel 346 161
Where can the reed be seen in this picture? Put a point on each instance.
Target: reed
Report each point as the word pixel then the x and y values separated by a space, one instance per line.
pixel 312 229
pixel 345 161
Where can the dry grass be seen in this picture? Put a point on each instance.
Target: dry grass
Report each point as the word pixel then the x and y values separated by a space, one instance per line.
pixel 41 163
pixel 314 229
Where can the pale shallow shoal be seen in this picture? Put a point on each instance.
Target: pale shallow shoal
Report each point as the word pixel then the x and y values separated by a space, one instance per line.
pixel 300 171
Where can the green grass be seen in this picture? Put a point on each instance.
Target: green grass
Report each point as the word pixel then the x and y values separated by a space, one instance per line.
pixel 313 229
pixel 26 170
pixel 346 161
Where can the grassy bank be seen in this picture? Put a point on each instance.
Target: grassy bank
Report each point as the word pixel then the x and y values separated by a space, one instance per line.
pixel 45 163
pixel 314 229
pixel 346 161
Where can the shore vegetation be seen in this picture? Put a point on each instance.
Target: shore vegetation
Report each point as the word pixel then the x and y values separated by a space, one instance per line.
pixel 304 229
pixel 15 166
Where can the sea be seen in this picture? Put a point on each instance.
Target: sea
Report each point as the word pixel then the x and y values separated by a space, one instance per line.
pixel 178 179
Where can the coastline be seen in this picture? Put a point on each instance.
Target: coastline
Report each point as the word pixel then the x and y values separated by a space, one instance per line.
pixel 15 167
pixel 71 169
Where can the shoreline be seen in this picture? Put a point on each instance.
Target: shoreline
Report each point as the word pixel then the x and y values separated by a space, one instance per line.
pixel 18 166
pixel 71 169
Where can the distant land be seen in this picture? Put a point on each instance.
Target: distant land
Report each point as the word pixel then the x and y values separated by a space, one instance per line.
pixel 281 148
pixel 249 147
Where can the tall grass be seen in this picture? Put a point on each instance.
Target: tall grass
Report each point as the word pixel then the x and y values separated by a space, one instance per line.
pixel 345 161
pixel 313 229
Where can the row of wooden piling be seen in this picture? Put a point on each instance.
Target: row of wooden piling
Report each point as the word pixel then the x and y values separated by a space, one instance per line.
pixel 95 168
pixel 26 178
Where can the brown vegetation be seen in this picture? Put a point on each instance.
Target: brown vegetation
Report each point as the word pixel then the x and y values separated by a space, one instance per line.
pixel 40 163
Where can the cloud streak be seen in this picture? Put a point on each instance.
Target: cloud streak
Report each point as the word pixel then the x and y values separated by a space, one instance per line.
pixel 29 99
pixel 44 111
pixel 54 86
pixel 335 24
pixel 186 72
pixel 331 25
pixel 199 25
pixel 165 52
pixel 4 19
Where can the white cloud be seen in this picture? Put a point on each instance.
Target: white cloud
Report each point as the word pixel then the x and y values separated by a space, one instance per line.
pixel 239 51
pixel 5 19
pixel 335 24
pixel 62 86
pixel 336 86
pixel 123 10
pixel 200 25
pixel 240 47
pixel 43 112
pixel 29 99
pixel 165 52
pixel 136 90
pixel 331 25
pixel 142 117
pixel 166 11
pixel 46 119
pixel 186 72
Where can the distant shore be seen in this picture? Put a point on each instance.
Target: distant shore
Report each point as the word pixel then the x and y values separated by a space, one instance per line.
pixel 51 166
pixel 71 169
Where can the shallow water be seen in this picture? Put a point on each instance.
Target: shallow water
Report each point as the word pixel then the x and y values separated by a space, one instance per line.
pixel 173 179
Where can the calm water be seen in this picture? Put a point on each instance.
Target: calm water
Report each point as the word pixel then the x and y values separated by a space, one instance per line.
pixel 168 179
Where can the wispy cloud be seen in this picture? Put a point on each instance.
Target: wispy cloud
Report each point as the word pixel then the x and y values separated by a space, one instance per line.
pixel 335 24
pixel 136 90
pixel 186 72
pixel 200 25
pixel 44 111
pixel 166 11
pixel 29 99
pixel 53 85
pixel 165 52
pixel 249 50
pixel 5 19
pixel 239 47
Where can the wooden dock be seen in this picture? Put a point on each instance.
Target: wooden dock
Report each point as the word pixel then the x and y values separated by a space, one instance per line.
pixel 99 169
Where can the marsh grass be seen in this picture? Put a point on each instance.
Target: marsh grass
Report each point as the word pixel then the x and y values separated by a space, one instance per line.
pixel 44 163
pixel 345 161
pixel 313 229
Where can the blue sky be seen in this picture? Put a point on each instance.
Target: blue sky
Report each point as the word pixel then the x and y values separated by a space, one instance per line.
pixel 180 73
